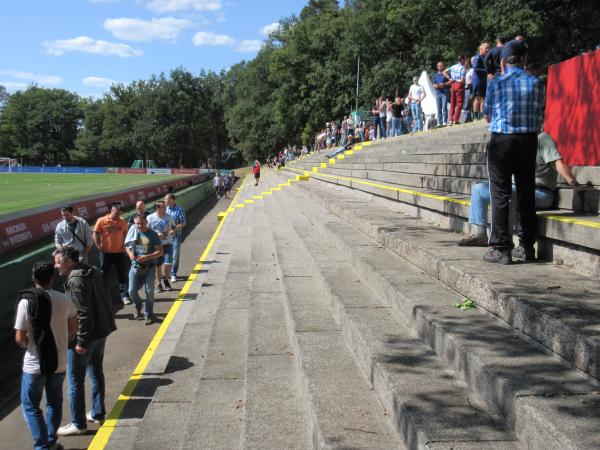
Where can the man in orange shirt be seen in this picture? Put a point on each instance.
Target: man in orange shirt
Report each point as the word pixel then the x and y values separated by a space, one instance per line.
pixel 109 237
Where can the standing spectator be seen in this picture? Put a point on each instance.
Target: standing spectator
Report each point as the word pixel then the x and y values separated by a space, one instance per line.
pixel 389 117
pixel 256 172
pixel 109 237
pixel 382 117
pixel 218 185
pixel 479 82
pixel 468 90
pixel 397 108
pixel 416 94
pixel 441 83
pixel 143 247
pixel 513 109
pixel 94 323
pixel 457 75
pixel 164 225
pixel 45 320
pixel 375 111
pixel 140 208
pixel 178 215
pixel 407 115
pixel 73 231
pixel 493 60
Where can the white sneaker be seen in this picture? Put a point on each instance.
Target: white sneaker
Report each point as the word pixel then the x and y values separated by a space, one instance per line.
pixel 71 430
pixel 91 419
pixel 126 300
pixel 173 279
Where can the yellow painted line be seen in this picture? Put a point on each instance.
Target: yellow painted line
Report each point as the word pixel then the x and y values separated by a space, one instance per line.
pixel 348 152
pixel 332 160
pixel 570 220
pixel 278 188
pixel 240 205
pixel 367 143
pixel 315 169
pixel 340 156
pixel 267 193
pixel 323 165
pixel 249 201
pixel 257 197
pixel 103 434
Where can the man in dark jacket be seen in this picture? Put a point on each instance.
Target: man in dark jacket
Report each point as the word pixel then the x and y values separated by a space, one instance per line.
pixel 95 321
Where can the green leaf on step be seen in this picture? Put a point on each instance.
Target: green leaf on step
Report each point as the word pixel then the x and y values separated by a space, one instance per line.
pixel 467 303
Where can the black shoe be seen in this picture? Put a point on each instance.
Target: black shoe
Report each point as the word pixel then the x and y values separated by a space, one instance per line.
pixel 137 313
pixel 497 255
pixel 167 284
pixel 525 254
pixel 160 287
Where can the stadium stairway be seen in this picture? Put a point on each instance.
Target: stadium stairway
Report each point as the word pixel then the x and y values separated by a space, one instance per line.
pixel 430 175
pixel 305 331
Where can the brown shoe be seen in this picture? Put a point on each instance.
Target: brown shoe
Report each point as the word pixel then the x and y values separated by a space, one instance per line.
pixel 474 241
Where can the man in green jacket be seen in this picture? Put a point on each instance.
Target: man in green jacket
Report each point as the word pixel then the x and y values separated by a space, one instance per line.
pixel 95 321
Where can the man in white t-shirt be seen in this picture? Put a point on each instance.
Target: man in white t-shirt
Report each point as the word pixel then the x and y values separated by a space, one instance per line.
pixel 45 320
pixel 416 94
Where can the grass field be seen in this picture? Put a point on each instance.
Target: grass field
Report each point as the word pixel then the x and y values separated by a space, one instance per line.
pixel 23 190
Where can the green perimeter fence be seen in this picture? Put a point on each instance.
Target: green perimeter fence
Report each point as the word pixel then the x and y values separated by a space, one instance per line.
pixel 15 275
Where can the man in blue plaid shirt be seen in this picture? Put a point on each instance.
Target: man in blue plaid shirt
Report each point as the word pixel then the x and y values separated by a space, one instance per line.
pixel 513 109
pixel 178 215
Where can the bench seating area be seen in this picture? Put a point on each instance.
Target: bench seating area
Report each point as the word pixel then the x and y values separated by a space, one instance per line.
pixel 431 176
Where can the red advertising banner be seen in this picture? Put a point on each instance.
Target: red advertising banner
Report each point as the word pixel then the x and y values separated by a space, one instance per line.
pixel 573 109
pixel 24 230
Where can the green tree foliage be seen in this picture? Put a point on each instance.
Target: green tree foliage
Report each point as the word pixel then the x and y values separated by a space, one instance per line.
pixel 304 76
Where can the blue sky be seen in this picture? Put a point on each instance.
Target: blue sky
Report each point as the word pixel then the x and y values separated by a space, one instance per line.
pixel 84 45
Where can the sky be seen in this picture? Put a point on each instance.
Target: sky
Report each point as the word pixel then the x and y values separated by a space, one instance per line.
pixel 86 45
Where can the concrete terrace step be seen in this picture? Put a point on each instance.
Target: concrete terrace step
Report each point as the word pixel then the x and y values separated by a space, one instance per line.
pixel 431 407
pixel 343 410
pixel 502 368
pixel 556 307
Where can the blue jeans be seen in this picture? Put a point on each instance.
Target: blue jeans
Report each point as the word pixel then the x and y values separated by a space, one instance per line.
pixel 441 99
pixel 32 387
pixel 480 199
pixel 415 109
pixel 176 249
pixel 77 366
pixel 136 279
pixel 381 127
pixel 396 127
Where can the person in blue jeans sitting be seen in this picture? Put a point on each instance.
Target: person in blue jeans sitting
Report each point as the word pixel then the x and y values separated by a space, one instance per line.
pixel 45 320
pixel 549 165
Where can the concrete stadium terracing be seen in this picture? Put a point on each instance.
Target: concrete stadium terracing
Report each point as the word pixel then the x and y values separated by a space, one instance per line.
pixel 323 316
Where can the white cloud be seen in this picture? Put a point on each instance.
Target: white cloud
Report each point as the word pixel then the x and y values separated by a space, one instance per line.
pixel 249 46
pixel 207 38
pixel 271 28
pixel 139 30
pixel 99 82
pixel 161 6
pixel 12 86
pixel 86 44
pixel 33 77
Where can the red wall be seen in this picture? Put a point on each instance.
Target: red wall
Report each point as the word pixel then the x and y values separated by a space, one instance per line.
pixel 573 109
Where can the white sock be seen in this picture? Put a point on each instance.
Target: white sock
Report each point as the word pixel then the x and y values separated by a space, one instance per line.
pixel 481 231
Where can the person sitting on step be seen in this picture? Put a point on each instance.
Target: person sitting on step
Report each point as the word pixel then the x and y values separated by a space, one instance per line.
pixel 549 165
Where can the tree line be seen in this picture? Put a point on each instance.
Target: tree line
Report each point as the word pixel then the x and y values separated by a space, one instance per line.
pixel 304 75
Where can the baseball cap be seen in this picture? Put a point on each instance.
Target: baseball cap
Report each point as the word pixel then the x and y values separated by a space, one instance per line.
pixel 515 48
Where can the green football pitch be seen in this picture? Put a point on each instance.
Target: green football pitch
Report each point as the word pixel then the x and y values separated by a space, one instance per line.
pixel 24 190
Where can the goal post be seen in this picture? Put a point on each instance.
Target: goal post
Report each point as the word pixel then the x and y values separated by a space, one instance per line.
pixel 10 163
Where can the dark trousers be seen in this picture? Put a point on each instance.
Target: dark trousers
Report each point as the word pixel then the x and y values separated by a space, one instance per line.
pixel 508 155
pixel 121 263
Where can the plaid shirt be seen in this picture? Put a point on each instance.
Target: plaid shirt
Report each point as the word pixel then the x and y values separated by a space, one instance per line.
pixel 457 72
pixel 514 101
pixel 178 216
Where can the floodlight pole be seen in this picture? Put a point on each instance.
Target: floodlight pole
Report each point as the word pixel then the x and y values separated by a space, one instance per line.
pixel 357 82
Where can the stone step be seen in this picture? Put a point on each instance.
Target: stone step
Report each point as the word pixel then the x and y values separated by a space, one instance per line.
pixel 443 209
pixel 389 170
pixel 344 412
pixel 430 405
pixel 175 401
pixel 362 160
pixel 507 372
pixel 525 298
